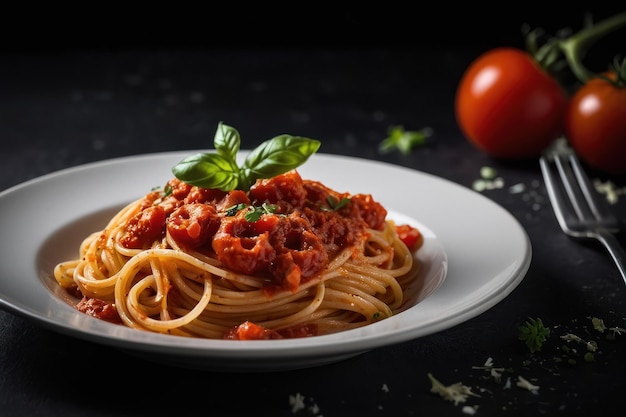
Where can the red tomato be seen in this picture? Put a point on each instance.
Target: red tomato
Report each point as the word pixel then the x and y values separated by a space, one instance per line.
pixel 595 125
pixel 508 106
pixel 250 331
pixel 411 237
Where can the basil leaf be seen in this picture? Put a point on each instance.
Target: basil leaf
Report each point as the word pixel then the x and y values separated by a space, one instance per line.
pixel 277 156
pixel 219 170
pixel 208 170
pixel 227 142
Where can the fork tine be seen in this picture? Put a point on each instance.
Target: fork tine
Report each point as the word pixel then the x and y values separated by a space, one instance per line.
pixel 597 206
pixel 560 201
pixel 576 202
pixel 569 178
pixel 580 211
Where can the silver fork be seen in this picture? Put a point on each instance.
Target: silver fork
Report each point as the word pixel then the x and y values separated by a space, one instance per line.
pixel 580 211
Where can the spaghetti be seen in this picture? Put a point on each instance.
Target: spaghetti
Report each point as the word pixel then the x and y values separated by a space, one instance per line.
pixel 288 258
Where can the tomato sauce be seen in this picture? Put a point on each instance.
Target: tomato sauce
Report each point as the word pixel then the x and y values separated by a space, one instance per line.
pixel 301 225
pixel 100 309
pixel 251 331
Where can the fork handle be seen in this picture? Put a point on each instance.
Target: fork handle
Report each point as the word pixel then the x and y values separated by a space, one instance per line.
pixel 614 248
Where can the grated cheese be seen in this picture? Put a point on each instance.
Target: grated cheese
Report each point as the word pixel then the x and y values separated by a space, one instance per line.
pixel 598 324
pixel 456 393
pixel 296 402
pixel 609 189
pixel 526 384
pixel 469 410
pixel 496 373
pixel 592 346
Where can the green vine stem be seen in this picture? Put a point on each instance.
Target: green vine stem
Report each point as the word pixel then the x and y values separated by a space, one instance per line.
pixel 575 47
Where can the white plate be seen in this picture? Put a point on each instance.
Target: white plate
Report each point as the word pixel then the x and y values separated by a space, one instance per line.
pixel 479 248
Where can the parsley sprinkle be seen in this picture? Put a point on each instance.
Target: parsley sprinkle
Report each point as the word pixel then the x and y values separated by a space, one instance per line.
pixel 534 333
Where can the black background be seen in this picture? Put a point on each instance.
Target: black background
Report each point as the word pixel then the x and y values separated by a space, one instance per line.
pixel 300 25
pixel 102 80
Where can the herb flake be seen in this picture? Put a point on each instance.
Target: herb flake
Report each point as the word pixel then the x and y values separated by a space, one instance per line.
pixel 534 334
pixel 404 140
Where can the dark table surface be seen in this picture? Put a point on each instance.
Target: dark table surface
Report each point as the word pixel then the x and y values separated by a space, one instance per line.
pixel 62 107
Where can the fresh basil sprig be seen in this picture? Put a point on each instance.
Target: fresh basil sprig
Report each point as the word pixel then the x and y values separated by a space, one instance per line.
pixel 220 170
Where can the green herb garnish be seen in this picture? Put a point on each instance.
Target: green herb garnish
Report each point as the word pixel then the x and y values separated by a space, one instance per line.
pixel 232 210
pixel 534 334
pixel 220 170
pixel 335 204
pixel 255 213
pixel 402 140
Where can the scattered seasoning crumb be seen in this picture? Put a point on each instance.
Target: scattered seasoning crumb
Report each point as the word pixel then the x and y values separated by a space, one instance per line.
pixel 517 188
pixel 459 393
pixel 488 173
pixel 526 384
pixel 488 180
pixel 469 410
pixel 456 393
pixel 609 189
pixel 315 410
pixel 616 331
pixel 530 193
pixel 592 346
pixel 571 337
pixel 478 185
pixel 598 324
pixel 494 372
pixel 482 184
pixel 296 402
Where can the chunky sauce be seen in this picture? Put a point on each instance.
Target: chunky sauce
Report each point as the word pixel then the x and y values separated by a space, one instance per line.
pixel 290 244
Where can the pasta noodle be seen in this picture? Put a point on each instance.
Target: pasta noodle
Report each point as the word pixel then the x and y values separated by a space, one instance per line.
pixel 186 261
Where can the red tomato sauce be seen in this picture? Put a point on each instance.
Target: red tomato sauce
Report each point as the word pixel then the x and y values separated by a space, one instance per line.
pixel 251 331
pixel 289 244
pixel 100 309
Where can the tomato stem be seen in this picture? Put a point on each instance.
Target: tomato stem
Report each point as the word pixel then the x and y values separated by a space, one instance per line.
pixel 620 72
pixel 576 46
